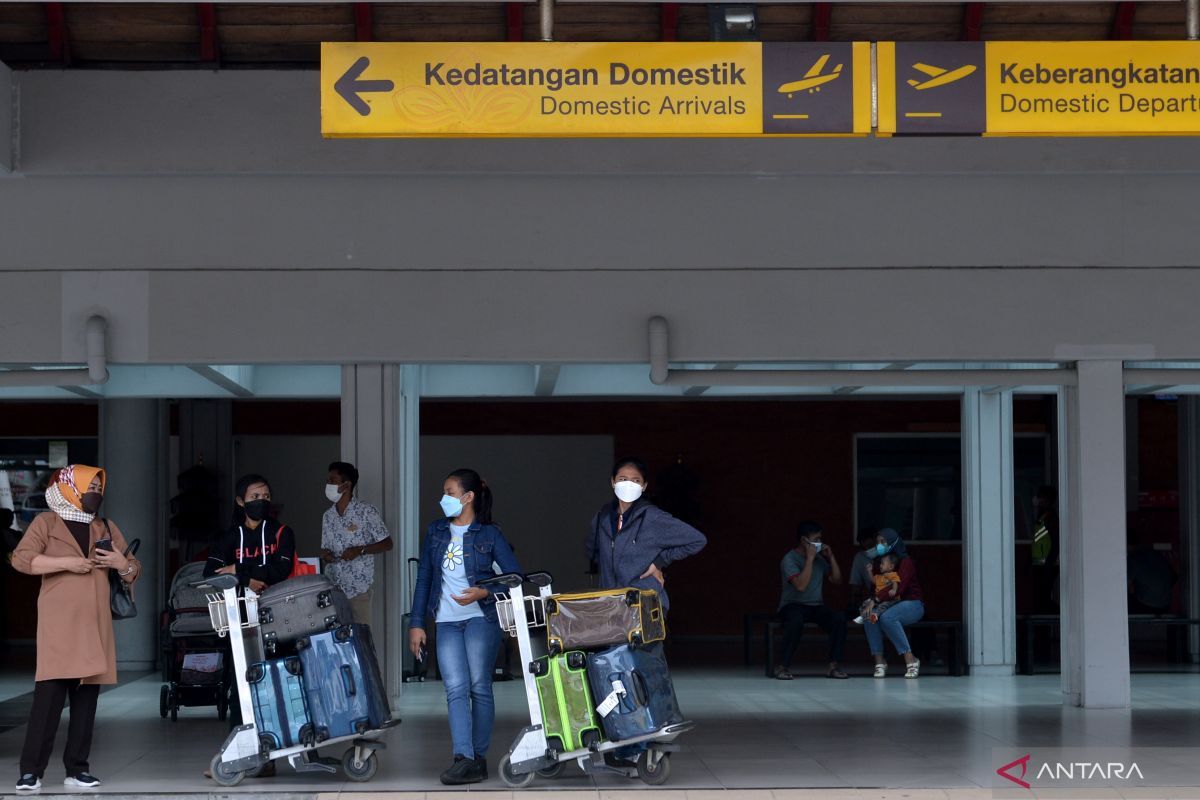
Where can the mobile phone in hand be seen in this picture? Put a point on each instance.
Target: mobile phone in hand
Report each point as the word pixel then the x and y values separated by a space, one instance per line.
pixel 104 544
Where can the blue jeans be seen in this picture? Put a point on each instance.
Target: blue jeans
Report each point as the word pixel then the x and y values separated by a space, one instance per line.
pixel 892 622
pixel 466 654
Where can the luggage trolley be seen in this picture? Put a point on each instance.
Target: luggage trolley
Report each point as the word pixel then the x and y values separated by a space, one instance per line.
pixel 530 754
pixel 244 751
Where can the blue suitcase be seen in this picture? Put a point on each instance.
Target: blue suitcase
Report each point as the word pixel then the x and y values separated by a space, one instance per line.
pixel 344 688
pixel 633 691
pixel 280 709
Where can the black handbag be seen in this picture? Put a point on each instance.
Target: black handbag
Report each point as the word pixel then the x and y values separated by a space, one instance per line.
pixel 120 595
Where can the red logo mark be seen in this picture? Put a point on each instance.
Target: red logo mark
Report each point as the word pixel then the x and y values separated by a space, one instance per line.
pixel 1023 761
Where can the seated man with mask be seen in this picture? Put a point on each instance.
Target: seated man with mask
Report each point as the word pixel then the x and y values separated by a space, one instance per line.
pixel 803 571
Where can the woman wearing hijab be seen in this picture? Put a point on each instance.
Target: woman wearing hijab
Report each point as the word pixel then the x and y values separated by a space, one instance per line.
pixel 909 607
pixel 76 651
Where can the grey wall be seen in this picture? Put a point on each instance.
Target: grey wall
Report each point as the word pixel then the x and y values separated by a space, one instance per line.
pixel 203 213
pixel 546 490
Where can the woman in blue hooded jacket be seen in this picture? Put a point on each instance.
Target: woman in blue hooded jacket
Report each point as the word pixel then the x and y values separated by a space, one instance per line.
pixel 632 541
pixel 457 554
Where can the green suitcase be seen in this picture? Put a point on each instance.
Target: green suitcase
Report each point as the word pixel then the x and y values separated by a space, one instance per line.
pixel 568 714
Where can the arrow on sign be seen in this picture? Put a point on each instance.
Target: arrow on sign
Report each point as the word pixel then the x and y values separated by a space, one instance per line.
pixel 349 86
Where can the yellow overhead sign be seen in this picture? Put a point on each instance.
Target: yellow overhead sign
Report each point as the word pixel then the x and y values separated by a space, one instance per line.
pixel 581 89
pixel 1039 88
pixel 1093 87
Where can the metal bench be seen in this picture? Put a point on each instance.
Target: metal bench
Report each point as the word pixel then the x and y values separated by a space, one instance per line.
pixel 1177 628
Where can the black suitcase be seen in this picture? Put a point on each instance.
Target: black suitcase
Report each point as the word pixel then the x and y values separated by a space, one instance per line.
pixel 414 671
pixel 300 606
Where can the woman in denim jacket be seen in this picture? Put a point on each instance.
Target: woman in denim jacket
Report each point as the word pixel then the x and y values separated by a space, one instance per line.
pixel 458 553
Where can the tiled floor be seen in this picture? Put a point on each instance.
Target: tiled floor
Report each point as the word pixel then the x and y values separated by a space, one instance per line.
pixel 935 737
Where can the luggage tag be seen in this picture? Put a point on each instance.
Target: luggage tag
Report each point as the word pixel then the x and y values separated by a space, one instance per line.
pixel 613 700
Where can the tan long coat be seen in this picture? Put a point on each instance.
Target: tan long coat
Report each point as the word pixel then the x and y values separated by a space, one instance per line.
pixel 75 625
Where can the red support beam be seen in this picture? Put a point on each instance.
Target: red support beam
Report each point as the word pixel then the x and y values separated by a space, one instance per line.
pixel 668 18
pixel 1123 21
pixel 364 22
pixel 207 13
pixel 515 21
pixel 59 40
pixel 822 13
pixel 972 22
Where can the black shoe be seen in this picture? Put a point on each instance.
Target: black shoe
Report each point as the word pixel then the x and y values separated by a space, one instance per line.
pixel 29 783
pixel 619 763
pixel 463 771
pixel 481 763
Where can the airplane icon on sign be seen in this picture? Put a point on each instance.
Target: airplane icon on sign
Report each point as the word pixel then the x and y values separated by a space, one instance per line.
pixel 938 76
pixel 813 80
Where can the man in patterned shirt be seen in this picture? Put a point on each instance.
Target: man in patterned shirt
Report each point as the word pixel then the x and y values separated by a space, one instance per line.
pixel 352 532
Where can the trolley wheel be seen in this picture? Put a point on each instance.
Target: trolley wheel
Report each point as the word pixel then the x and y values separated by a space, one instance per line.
pixel 164 695
pixel 173 703
pixel 555 771
pixel 512 779
pixel 223 775
pixel 361 771
pixel 656 774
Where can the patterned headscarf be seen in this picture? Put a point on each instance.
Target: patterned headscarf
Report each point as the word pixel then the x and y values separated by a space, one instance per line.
pixel 64 496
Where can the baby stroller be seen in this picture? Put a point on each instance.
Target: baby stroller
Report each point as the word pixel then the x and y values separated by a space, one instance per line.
pixel 195 659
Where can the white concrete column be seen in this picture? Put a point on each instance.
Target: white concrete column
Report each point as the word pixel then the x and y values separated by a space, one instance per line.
pixel 1189 503
pixel 988 531
pixel 133 448
pixel 1095 642
pixel 377 433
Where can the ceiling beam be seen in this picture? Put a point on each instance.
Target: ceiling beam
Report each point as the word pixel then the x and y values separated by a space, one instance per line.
pixel 59 36
pixel 219 378
pixel 207 14
pixel 972 27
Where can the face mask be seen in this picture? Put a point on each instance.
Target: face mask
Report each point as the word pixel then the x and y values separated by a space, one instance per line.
pixel 817 546
pixel 91 502
pixel 451 506
pixel 881 549
pixel 257 509
pixel 627 491
pixel 331 492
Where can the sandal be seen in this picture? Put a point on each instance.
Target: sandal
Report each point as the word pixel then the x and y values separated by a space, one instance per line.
pixel 837 675
pixel 881 670
pixel 782 674
pixel 913 669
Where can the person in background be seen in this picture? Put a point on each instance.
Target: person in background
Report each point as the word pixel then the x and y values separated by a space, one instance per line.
pixel 458 552
pixel 909 607
pixel 76 648
pixel 259 550
pixel 1044 552
pixel 887 588
pixel 352 532
pixel 804 570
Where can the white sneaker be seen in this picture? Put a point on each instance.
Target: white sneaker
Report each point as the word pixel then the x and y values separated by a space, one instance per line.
pixel 858 620
pixel 29 783
pixel 82 781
